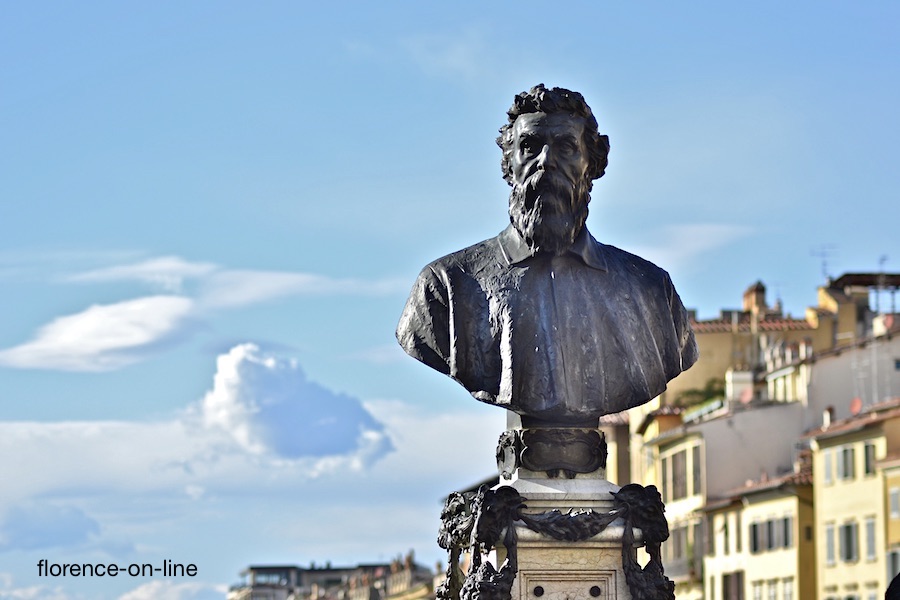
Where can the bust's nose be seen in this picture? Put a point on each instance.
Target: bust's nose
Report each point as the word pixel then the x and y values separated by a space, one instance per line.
pixel 545 160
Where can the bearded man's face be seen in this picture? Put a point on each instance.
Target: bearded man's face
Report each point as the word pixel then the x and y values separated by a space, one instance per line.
pixel 550 187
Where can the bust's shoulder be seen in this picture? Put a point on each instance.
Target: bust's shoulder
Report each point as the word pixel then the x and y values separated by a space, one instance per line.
pixel 625 262
pixel 469 259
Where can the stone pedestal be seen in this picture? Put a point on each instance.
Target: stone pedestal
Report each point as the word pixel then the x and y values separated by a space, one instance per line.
pixel 551 569
pixel 560 531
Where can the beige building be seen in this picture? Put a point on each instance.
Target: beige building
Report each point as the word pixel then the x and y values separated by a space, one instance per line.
pixel 725 455
pixel 699 457
pixel 737 338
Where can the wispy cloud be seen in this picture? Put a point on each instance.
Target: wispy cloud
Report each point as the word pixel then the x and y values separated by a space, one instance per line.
pixel 380 355
pixel 457 55
pixel 103 337
pixel 167 272
pixel 232 288
pixel 677 246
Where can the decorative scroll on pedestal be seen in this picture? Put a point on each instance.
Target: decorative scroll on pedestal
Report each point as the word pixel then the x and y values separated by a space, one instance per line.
pixel 477 522
pixel 553 450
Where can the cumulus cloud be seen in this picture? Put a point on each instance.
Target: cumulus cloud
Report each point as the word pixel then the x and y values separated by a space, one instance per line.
pixel 262 415
pixel 103 337
pixel 324 463
pixel 268 405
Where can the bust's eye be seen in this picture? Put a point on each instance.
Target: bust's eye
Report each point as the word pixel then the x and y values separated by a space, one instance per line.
pixel 568 148
pixel 529 146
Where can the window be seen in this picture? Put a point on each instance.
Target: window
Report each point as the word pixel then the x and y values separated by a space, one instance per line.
pixel 772 540
pixel 756 544
pixel 895 503
pixel 787 592
pixel 829 544
pixel 737 531
pixel 733 586
pixel 664 478
pixel 698 473
pixel 698 545
pixel 845 462
pixel 773 589
pixel 683 542
pixel 787 532
pixel 893 561
pixel 826 457
pixel 712 588
pixel 726 539
pixel 679 475
pixel 870 538
pixel 757 590
pixel 849 542
pixel 679 543
pixel 869 467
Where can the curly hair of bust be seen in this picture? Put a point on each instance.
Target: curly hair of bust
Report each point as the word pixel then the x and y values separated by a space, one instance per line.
pixel 555 100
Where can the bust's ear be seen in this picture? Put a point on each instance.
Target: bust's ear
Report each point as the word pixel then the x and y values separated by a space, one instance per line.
pixel 600 156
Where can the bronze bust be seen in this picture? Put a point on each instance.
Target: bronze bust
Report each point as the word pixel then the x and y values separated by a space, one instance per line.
pixel 542 319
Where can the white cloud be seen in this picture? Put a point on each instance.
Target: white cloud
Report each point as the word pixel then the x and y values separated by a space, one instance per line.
pixel 267 405
pixel 262 416
pixel 679 245
pixel 33 592
pixel 103 337
pixel 110 336
pixel 231 289
pixel 263 429
pixel 380 355
pixel 170 590
pixel 167 272
pixel 455 55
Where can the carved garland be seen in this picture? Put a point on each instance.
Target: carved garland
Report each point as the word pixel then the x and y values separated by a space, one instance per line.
pixel 477 522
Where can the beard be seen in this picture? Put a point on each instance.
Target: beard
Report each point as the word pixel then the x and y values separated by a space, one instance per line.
pixel 549 212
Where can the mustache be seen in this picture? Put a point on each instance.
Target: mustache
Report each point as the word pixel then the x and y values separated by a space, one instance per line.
pixel 542 181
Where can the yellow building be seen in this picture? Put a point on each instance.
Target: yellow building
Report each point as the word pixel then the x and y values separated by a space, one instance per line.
pixel 890 467
pixel 855 482
pixel 760 540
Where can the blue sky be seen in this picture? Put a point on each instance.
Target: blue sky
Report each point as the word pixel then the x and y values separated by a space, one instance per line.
pixel 211 214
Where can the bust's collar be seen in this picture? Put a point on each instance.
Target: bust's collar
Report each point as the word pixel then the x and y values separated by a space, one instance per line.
pixel 585 247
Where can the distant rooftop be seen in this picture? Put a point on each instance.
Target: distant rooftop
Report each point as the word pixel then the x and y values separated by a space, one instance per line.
pixel 887 280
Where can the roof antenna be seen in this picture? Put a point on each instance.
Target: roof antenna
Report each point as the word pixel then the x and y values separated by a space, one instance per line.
pixel 824 251
pixel 881 283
